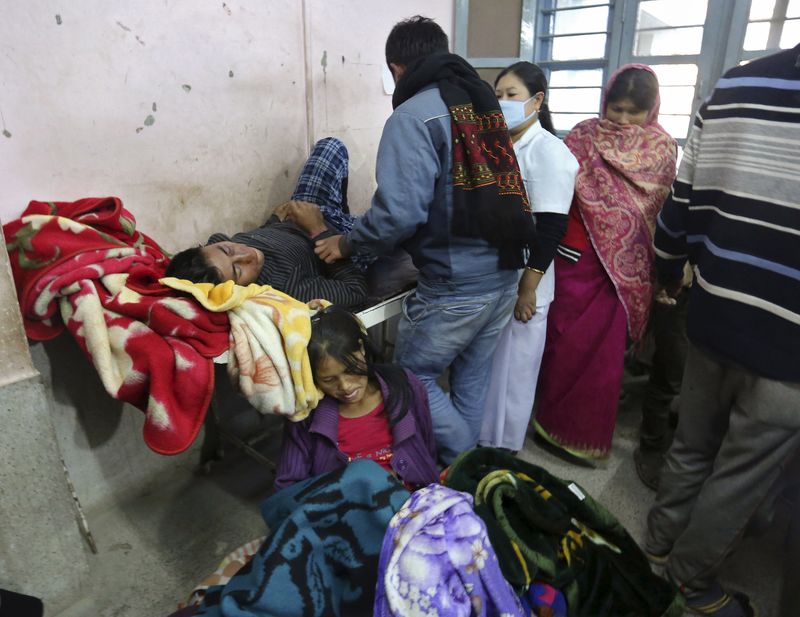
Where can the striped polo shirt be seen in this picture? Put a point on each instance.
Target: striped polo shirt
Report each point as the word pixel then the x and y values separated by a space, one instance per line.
pixel 734 212
pixel 291 266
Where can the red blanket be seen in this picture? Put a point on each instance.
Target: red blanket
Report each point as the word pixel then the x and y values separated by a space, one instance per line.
pixel 83 266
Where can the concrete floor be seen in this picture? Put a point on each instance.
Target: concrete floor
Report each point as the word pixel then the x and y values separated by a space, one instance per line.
pixel 156 546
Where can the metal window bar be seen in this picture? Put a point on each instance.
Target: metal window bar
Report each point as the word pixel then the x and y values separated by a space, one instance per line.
pixel 776 28
pixel 575 8
pixel 666 28
pixel 570 34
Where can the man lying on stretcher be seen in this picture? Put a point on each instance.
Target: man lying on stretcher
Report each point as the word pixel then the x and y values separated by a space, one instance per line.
pixel 280 253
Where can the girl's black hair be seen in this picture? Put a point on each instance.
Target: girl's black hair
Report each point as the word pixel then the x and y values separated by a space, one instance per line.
pixel 638 85
pixel 535 81
pixel 339 334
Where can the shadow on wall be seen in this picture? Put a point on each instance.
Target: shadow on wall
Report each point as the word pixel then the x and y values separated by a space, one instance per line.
pixel 100 438
pixel 74 384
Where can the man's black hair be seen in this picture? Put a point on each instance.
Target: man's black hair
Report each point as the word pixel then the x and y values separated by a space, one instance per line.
pixel 415 38
pixel 191 265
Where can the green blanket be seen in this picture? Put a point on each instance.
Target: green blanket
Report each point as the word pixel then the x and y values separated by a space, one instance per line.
pixel 552 530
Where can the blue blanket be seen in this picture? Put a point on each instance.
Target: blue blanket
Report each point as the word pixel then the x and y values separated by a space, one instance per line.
pixel 322 556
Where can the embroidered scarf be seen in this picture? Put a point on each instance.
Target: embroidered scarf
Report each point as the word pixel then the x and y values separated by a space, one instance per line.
pixel 624 177
pixel 489 199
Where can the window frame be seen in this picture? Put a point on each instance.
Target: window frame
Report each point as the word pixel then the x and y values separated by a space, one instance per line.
pixel 526 36
pixel 776 24
pixel 722 44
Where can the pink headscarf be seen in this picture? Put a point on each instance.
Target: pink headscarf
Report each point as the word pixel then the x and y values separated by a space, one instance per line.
pixel 625 175
pixel 652 115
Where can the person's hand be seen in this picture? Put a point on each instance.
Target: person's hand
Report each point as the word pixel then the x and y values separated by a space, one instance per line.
pixel 525 307
pixel 304 214
pixel 662 297
pixel 328 249
pixel 667 294
pixel 280 211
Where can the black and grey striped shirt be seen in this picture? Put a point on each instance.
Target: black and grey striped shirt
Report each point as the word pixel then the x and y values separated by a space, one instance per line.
pixel 734 213
pixel 291 266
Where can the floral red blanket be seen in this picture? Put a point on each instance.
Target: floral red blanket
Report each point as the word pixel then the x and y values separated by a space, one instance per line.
pixel 83 266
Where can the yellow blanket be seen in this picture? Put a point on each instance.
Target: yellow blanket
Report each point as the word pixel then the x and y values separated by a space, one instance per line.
pixel 269 339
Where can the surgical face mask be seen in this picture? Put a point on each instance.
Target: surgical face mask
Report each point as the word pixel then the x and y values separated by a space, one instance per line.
pixel 514 112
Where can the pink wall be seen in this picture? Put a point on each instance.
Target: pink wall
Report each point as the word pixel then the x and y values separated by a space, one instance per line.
pixel 199 116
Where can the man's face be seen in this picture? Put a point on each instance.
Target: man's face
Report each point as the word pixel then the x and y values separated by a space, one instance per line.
pixel 236 262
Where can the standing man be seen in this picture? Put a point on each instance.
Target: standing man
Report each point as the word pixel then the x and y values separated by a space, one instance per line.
pixel 450 193
pixel 735 213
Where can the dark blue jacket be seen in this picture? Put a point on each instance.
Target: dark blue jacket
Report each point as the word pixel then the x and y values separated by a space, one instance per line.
pixel 413 204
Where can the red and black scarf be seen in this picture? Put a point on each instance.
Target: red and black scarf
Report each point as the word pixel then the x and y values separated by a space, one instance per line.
pixel 489 199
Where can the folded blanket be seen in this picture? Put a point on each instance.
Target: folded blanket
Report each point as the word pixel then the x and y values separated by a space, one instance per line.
pixel 82 265
pixel 322 556
pixel 436 559
pixel 227 569
pixel 546 529
pixel 270 332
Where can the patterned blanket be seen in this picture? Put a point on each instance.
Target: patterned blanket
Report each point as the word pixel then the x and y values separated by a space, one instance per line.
pixel 322 556
pixel 436 560
pixel 547 529
pixel 227 569
pixel 82 265
pixel 270 331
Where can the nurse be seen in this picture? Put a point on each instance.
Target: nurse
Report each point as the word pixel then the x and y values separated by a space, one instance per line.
pixel 549 170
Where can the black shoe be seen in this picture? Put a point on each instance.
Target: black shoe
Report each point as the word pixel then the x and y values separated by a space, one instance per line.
pixel 648 467
pixel 18 605
pixel 716 602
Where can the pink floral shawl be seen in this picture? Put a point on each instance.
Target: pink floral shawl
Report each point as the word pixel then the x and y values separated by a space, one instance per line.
pixel 624 177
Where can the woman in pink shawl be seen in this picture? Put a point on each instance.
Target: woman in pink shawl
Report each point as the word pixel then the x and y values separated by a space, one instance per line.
pixel 604 281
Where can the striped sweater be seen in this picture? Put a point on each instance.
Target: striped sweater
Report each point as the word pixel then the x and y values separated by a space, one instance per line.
pixel 291 266
pixel 734 212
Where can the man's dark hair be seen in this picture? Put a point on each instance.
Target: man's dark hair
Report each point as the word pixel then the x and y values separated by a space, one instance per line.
pixel 191 265
pixel 415 38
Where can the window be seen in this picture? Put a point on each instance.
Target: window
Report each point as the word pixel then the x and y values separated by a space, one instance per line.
pixel 574 95
pixel 669 27
pixel 771 25
pixel 668 36
pixel 574 30
pixel 579 43
pixel 572 45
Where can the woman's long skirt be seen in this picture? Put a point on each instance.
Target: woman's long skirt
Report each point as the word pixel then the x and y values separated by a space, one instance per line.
pixel 581 374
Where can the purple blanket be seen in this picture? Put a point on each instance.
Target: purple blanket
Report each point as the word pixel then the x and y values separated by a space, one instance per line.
pixel 436 560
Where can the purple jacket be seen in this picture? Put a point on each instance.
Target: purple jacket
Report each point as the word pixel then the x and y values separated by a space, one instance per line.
pixel 309 447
